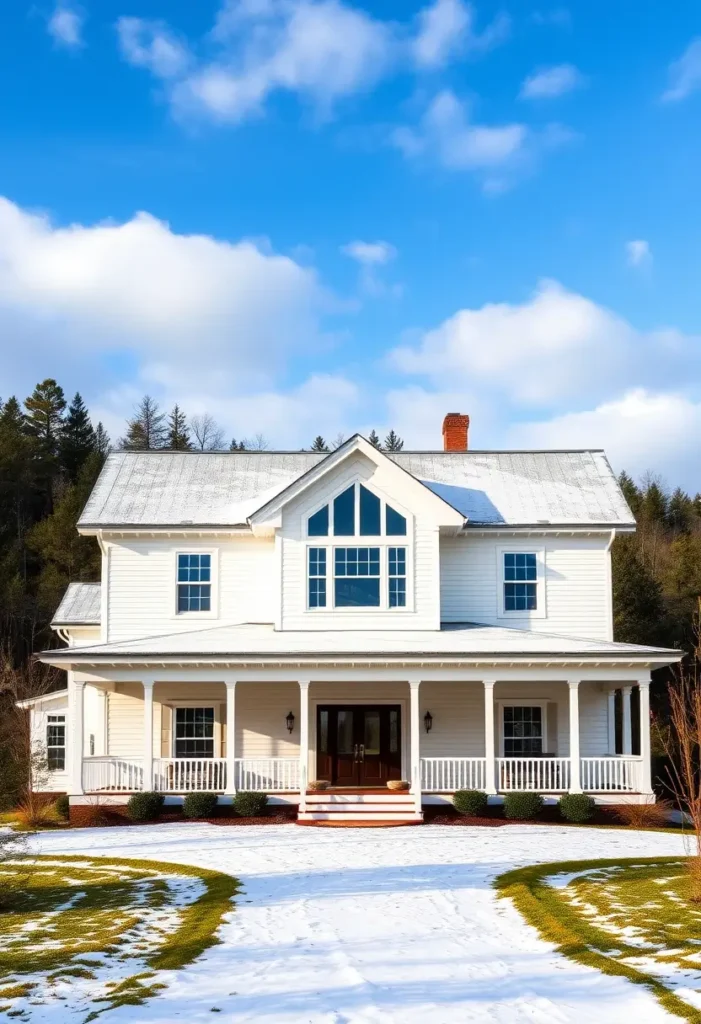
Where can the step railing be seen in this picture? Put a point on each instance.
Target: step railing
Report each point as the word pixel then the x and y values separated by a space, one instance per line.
pixel 446 774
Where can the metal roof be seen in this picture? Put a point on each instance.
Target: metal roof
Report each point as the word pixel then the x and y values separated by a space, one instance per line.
pixel 222 489
pixel 466 641
pixel 80 606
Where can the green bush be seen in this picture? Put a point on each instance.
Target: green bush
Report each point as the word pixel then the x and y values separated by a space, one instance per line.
pixel 62 806
pixel 523 806
pixel 250 805
pixel 470 802
pixel 577 807
pixel 200 805
pixel 144 806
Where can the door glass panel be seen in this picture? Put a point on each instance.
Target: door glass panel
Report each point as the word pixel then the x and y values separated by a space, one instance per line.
pixel 393 732
pixel 324 732
pixel 344 732
pixel 372 732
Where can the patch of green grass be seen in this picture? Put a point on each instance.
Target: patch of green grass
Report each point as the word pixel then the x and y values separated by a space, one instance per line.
pixel 60 911
pixel 624 917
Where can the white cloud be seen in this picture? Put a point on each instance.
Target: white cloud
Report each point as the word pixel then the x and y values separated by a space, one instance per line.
pixel 685 73
pixel 638 253
pixel 65 26
pixel 640 430
pixel 547 83
pixel 550 351
pixel 182 311
pixel 151 45
pixel 320 51
pixel 369 253
pixel 447 28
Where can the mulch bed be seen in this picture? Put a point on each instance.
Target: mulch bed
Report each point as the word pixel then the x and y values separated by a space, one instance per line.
pixel 87 817
pixel 494 818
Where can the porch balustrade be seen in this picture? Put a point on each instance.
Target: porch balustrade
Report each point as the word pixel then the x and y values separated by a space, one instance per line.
pixel 446 774
pixel 190 774
pixel 112 775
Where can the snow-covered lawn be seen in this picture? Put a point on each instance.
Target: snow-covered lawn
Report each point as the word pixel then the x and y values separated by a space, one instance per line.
pixel 386 926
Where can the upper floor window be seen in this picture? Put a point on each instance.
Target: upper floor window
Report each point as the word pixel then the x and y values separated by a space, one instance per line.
pixel 362 577
pixel 357 512
pixel 56 742
pixel 194 583
pixel 520 581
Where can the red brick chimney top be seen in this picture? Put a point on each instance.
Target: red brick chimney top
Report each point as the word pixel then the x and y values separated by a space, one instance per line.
pixel 455 427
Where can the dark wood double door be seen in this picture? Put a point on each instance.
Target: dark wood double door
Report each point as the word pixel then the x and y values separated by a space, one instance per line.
pixel 358 744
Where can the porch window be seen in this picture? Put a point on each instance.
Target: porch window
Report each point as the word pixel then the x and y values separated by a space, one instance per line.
pixel 56 742
pixel 397 577
pixel 520 582
pixel 194 583
pixel 523 730
pixel 194 732
pixel 317 577
pixel 357 577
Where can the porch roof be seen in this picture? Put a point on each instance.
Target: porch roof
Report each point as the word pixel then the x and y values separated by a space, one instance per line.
pixel 467 641
pixel 80 606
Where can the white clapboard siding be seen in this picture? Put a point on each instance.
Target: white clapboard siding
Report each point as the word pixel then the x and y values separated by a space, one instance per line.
pixel 261 710
pixel 142 585
pixel 576 584
pixel 423 584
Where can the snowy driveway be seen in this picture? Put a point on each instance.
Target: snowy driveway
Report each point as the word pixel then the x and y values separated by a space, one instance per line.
pixel 378 926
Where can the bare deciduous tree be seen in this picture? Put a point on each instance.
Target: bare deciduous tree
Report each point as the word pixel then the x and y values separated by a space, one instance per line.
pixel 207 434
pixel 259 443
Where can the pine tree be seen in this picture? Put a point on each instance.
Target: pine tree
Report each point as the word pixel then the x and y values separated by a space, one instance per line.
pixel 374 439
pixel 653 507
pixel 638 608
pixel 102 441
pixel 77 438
pixel 319 444
pixel 631 492
pixel 237 446
pixel 680 511
pixel 44 411
pixel 146 429
pixel 178 433
pixel 393 443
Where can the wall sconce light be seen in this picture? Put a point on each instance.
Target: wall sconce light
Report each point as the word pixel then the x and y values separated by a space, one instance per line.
pixel 428 721
pixel 290 721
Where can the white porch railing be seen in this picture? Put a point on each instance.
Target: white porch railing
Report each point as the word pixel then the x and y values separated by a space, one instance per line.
pixel 611 774
pixel 541 774
pixel 267 774
pixel 444 774
pixel 189 774
pixel 112 775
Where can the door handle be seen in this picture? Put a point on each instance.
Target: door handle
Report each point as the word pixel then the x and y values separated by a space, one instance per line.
pixel 362 752
pixel 355 754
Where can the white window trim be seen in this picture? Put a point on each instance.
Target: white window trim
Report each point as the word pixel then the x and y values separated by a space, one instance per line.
pixel 195 549
pixel 57 718
pixel 383 541
pixel 522 549
pixel 524 702
pixel 216 705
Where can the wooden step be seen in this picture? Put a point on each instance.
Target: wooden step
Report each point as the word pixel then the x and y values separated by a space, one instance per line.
pixel 376 797
pixel 360 817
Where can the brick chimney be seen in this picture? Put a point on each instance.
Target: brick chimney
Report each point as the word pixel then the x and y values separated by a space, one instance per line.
pixel 455 427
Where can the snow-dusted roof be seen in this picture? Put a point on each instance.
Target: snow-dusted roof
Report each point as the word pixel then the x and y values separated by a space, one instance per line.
pixel 80 606
pixel 222 489
pixel 466 641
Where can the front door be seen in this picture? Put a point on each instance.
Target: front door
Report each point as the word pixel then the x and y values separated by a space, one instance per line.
pixel 358 744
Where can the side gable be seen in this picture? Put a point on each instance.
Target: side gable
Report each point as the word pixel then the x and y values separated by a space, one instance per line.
pixel 412 493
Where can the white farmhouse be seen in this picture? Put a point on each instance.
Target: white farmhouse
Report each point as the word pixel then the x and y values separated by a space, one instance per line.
pixel 268 619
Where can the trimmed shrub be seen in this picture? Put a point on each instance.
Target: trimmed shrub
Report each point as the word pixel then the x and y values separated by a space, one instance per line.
pixel 144 806
pixel 250 805
pixel 577 807
pixel 470 802
pixel 200 805
pixel 524 806
pixel 62 806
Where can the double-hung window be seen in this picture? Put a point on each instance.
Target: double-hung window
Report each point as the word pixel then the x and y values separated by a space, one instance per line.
pixel 194 732
pixel 523 730
pixel 349 572
pixel 520 581
pixel 194 583
pixel 56 742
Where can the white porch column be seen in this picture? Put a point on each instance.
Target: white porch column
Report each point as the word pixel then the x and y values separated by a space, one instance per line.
pixel 415 729
pixel 645 752
pixel 303 741
pixel 230 736
pixel 76 689
pixel 489 749
pixel 627 731
pixel 611 720
pixel 147 776
pixel 575 766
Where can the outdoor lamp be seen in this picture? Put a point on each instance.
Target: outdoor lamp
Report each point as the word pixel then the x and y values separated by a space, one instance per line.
pixel 290 720
pixel 428 721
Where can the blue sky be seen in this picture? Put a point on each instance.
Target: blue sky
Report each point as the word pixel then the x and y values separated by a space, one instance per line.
pixel 312 216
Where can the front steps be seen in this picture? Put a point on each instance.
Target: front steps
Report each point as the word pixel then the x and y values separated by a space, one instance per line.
pixel 369 807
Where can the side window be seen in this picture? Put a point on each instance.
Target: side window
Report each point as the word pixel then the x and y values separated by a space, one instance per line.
pixel 397 577
pixel 194 583
pixel 317 577
pixel 56 742
pixel 520 581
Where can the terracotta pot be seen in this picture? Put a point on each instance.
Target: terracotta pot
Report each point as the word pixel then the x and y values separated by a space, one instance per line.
pixel 397 785
pixel 318 785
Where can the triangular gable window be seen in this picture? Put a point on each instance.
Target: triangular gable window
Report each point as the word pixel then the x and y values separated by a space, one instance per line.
pixel 357 512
